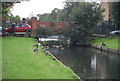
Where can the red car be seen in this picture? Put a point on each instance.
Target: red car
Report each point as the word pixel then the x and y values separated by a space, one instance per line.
pixel 20 29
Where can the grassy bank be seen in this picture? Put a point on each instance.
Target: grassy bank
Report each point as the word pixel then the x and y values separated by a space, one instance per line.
pixel 20 62
pixel 0 58
pixel 111 42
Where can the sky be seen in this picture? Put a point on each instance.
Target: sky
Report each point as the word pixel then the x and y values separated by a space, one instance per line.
pixel 33 7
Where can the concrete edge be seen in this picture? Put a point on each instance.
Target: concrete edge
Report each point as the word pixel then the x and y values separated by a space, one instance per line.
pixel 106 49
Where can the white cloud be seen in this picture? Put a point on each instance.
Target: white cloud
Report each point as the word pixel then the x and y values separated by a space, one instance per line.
pixel 34 7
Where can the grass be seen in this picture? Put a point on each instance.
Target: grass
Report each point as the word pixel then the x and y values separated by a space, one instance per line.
pixel 20 62
pixel 0 58
pixel 111 42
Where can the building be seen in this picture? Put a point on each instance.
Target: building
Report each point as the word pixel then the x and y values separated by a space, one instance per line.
pixel 50 24
pixel 107 13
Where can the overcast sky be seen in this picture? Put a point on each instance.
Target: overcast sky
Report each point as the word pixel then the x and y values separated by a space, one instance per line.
pixel 34 7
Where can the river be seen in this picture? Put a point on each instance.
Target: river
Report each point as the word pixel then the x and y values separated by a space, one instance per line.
pixel 89 63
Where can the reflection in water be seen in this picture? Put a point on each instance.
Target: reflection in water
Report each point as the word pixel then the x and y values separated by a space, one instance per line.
pixel 89 63
pixel 93 63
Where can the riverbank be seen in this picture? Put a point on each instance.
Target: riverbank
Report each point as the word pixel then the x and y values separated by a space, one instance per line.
pixel 20 62
pixel 0 58
pixel 111 44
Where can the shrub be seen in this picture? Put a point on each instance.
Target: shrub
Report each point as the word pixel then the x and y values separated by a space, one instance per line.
pixel 43 32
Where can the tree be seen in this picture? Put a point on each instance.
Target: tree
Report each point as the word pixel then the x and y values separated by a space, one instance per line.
pixel 6 11
pixel 6 14
pixel 55 15
pixel 68 9
pixel 84 17
pixel 43 32
pixel 44 17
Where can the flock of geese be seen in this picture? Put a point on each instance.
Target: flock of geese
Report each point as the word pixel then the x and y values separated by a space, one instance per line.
pixel 46 48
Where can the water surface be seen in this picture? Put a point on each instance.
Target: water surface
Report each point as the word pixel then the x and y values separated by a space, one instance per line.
pixel 89 63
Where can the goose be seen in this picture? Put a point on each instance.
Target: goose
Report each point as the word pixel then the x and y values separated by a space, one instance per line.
pixel 36 50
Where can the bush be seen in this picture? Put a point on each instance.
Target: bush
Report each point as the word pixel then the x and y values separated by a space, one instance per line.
pixel 43 32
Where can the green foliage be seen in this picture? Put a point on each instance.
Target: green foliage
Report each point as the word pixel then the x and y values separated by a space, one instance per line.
pixel 55 15
pixel 43 17
pixel 6 9
pixel 110 42
pixel 43 32
pixel 82 16
pixel 7 16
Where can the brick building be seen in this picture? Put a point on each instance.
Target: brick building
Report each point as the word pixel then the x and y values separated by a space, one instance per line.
pixel 51 25
pixel 107 13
